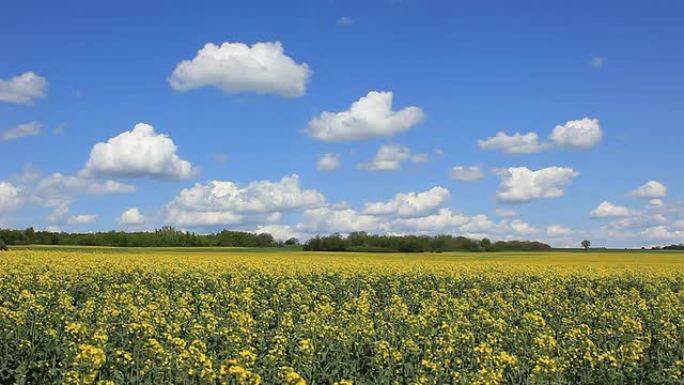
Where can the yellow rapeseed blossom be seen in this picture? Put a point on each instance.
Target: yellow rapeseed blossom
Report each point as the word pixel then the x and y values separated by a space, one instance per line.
pixel 176 316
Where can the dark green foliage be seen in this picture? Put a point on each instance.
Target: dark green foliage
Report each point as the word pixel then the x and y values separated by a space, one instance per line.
pixel 674 247
pixel 292 242
pixel 586 244
pixel 3 246
pixel 167 236
pixel 362 241
pixel 486 244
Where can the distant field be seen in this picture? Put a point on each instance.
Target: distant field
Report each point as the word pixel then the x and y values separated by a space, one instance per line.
pixel 296 258
pixel 106 315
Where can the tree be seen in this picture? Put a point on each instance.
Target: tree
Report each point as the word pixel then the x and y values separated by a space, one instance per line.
pixel 3 246
pixel 586 244
pixel 292 242
pixel 486 244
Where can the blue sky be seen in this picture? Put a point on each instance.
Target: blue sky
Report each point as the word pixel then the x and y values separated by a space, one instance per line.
pixel 464 71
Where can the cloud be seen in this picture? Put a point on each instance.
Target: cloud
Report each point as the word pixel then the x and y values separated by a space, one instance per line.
pixel 656 202
pixel 575 134
pixel 445 220
pixel 579 134
pixel 505 212
pixel 467 173
pixel 663 233
pixel 390 157
pixel 81 219
pixel 10 197
pixel 191 218
pixel 650 189
pixel 280 232
pixel 236 67
pixel 407 213
pixel 23 89
pixel 59 214
pixel 514 144
pixel 608 209
pixel 328 162
pixel 140 152
pixel 345 21
pixel 31 188
pixel 520 184
pixel 420 158
pixel 598 62
pixel 388 218
pixel 221 158
pixel 131 216
pixel 58 189
pixel 369 117
pixel 225 202
pixel 261 206
pixel 638 220
pixel 410 204
pixel 558 231
pixel 60 186
pixel 522 227
pixel 345 220
pixel 20 131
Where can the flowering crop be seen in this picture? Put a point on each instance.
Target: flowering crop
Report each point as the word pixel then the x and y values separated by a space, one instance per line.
pixel 108 317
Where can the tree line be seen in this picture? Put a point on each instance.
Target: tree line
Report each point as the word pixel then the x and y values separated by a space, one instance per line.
pixel 362 241
pixel 670 247
pixel 168 236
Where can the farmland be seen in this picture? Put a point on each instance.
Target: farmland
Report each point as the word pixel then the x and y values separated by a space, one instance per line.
pixel 278 316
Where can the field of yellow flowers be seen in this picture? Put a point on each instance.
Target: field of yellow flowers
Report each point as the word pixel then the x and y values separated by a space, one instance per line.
pixel 126 316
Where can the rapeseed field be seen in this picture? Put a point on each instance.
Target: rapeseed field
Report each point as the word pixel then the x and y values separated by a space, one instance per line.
pixel 127 316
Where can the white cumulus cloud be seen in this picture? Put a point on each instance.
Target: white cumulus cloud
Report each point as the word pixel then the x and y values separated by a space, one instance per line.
pixel 390 157
pixel 141 152
pixel 445 220
pixel 410 204
pixel 81 219
pixel 521 227
pixel 608 209
pixel 20 131
pixel 650 189
pixel 369 117
pixel 520 184
pixel 236 67
pixel 467 173
pixel 131 216
pixel 581 134
pixel 280 232
pixel 343 220
pixel 514 144
pixel 10 197
pixel 225 202
pixel 663 233
pixel 23 89
pixel 328 162
pixel 558 231
pixel 502 212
